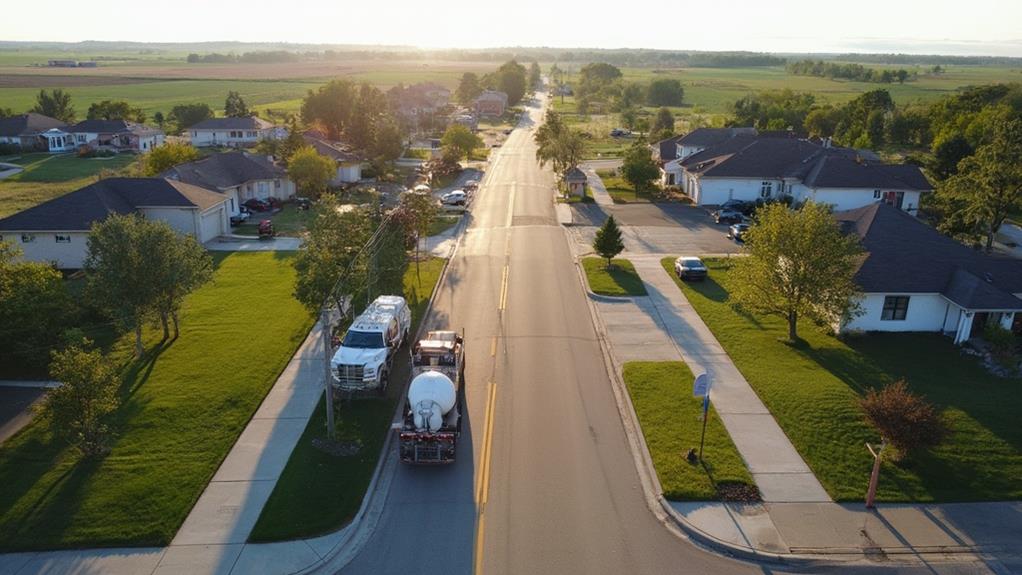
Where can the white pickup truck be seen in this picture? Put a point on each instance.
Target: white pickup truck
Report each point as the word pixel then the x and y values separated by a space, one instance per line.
pixel 367 351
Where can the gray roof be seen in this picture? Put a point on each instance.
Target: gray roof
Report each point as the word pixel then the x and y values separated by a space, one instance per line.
pixel 668 148
pixel 835 170
pixel 904 255
pixel 712 136
pixel 246 123
pixel 575 175
pixel 78 210
pixel 226 170
pixel 28 124
pixel 329 149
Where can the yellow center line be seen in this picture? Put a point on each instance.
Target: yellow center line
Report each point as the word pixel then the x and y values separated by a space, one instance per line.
pixel 493 347
pixel 483 490
pixel 503 288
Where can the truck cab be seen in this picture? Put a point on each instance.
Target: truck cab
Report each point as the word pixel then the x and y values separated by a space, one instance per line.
pixel 363 360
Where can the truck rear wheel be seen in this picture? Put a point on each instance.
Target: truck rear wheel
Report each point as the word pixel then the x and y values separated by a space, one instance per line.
pixel 384 382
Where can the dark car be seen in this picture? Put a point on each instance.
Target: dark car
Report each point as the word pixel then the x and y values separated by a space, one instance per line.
pixel 737 232
pixel 723 216
pixel 690 268
pixel 266 231
pixel 302 203
pixel 257 205
pixel 742 206
pixel 242 217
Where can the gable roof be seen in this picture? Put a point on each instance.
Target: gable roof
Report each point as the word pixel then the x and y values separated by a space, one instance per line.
pixel 78 210
pixel 28 124
pixel 904 255
pixel 667 149
pixel 226 170
pixel 713 136
pixel 575 175
pixel 329 149
pixel 834 170
pixel 246 123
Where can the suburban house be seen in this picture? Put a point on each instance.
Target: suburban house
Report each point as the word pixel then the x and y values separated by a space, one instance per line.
pixel 237 132
pixel 491 104
pixel 36 132
pixel 116 134
pixel 238 176
pixel 417 105
pixel 672 151
pixel 57 230
pixel 774 166
pixel 913 278
pixel 349 164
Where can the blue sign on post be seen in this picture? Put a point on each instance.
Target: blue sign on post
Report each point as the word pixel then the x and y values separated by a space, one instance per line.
pixel 701 386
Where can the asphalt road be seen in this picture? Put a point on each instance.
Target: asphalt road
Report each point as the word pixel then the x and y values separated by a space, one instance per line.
pixel 552 487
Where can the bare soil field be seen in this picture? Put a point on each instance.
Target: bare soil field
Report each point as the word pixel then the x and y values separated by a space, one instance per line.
pixel 26 80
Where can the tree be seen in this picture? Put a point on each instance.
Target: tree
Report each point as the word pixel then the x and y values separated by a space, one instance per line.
pixel 595 76
pixel 663 124
pixel 6 113
pixel 170 154
pixel 785 108
pixel 292 143
pixel 799 265
pixel 159 119
pixel 369 107
pixel 419 210
pixel 310 171
pixel 235 107
pixel 638 168
pixel 388 143
pixel 468 89
pixel 55 104
pixel 111 110
pixel 535 75
pixel 558 145
pixel 330 251
pixel 34 307
pixel 187 115
pixel 628 117
pixel 664 92
pixel 180 266
pixel 948 153
pixel 905 420
pixel 461 141
pixel 88 393
pixel 608 241
pixel 443 165
pixel 512 81
pixel 988 185
pixel 330 107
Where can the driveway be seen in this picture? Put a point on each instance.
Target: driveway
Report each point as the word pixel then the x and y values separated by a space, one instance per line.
pixel 16 408
pixel 661 228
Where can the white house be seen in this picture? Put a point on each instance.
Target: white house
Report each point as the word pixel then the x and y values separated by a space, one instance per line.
pixel 237 132
pixel 764 167
pixel 116 134
pixel 31 132
pixel 57 231
pixel 349 164
pixel 239 176
pixel 914 278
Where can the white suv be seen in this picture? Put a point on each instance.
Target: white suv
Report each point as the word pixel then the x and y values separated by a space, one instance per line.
pixel 367 351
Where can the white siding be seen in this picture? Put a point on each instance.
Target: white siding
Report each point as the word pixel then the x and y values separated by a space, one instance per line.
pixel 926 312
pixel 349 172
pixel 716 191
pixel 203 138
pixel 213 223
pixel 183 220
pixel 44 247
pixel 850 198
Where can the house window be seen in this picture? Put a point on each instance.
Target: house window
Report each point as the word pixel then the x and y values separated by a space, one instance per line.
pixel 61 239
pixel 895 308
pixel 765 189
pixel 27 238
pixel 251 134
pixel 876 194
pixel 276 184
pixel 194 134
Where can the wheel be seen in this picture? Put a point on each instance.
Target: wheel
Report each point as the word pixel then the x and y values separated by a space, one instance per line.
pixel 384 382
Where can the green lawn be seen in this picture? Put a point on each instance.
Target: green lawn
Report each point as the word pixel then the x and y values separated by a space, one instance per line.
pixel 289 221
pixel 41 167
pixel 183 406
pixel 318 493
pixel 17 196
pixel 812 389
pixel 618 280
pixel 670 417
pixel 441 224
pixel 621 191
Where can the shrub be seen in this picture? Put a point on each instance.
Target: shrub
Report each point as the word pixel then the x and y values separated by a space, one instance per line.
pixel 9 149
pixel 1003 344
pixel 906 420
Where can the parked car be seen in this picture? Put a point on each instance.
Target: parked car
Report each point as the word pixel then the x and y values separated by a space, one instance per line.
pixel 620 133
pixel 242 217
pixel 257 205
pixel 471 185
pixel 302 203
pixel 455 198
pixel 723 216
pixel 737 232
pixel 690 268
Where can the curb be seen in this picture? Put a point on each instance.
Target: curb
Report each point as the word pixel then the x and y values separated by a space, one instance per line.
pixel 363 525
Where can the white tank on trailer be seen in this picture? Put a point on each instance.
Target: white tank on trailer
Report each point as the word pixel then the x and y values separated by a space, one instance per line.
pixel 432 395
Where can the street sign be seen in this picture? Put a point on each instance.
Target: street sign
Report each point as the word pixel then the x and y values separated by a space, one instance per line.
pixel 701 386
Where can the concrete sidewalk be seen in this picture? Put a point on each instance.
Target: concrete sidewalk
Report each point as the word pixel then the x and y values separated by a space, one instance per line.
pixel 597 188
pixel 664 327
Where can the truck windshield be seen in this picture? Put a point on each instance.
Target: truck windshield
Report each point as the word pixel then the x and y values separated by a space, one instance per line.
pixel 363 339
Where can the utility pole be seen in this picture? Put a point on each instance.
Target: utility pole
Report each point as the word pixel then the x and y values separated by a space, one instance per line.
pixel 324 319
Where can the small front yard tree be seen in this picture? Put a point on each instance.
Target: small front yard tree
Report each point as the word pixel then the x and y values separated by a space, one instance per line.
pixel 162 158
pixel 905 420
pixel 34 307
pixel 799 264
pixel 461 141
pixel 419 211
pixel 88 393
pixel 639 169
pixel 310 171
pixel 608 242
pixel 333 242
pixel 180 266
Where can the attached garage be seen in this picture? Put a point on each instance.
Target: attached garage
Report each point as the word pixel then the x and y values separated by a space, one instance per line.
pixel 211 224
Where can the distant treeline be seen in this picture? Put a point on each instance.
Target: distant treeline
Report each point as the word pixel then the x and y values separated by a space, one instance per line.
pixel 924 60
pixel 856 72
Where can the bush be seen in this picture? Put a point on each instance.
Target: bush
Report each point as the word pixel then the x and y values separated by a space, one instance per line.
pixel 905 420
pixel 9 149
pixel 1003 345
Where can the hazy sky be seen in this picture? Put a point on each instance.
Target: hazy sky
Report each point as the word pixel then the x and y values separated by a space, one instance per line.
pixel 923 26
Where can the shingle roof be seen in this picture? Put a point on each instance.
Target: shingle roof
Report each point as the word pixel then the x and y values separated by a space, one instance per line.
pixel 575 174
pixel 226 170
pixel 78 210
pixel 843 171
pixel 904 255
pixel 28 124
pixel 668 148
pixel 329 149
pixel 713 136
pixel 247 123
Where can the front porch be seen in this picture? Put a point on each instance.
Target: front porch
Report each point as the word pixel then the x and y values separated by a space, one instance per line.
pixel 971 323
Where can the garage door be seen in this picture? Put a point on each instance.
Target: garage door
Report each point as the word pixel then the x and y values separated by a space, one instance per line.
pixel 212 224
